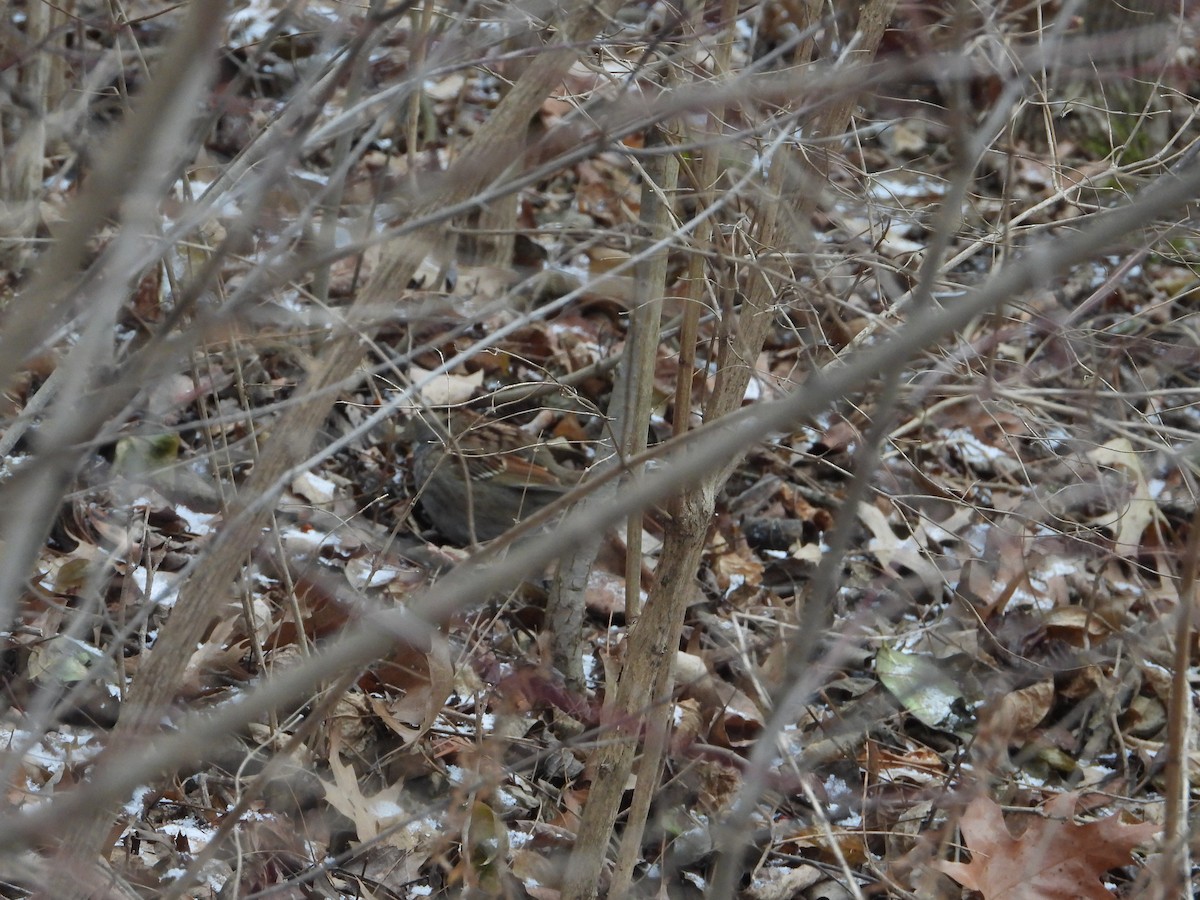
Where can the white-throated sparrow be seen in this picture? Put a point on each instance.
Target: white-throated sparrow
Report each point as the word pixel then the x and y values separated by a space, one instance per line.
pixel 477 476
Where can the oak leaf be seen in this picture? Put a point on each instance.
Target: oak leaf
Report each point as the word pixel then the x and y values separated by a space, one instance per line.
pixel 1053 859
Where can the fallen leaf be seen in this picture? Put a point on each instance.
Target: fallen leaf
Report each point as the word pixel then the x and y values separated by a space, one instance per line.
pixel 1054 859
pixel 918 683
pixel 1140 510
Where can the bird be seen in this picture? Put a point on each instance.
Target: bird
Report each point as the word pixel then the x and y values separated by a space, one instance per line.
pixel 478 476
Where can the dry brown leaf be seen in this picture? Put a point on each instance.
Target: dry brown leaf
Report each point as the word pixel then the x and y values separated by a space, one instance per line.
pixel 890 549
pixel 736 566
pixel 1021 711
pixel 1140 509
pixel 445 389
pixel 376 816
pixel 1054 859
pixel 781 882
pixel 914 764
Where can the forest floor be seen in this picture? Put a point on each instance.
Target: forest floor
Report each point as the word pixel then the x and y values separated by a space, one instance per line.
pixel 996 682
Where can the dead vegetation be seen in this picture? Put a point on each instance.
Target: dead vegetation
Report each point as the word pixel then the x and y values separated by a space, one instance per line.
pixel 869 332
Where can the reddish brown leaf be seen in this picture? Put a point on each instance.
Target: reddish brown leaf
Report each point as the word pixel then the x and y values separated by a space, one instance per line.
pixel 1054 859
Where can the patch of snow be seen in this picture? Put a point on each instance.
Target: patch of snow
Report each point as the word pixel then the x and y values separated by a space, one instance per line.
pixel 364 573
pixel 835 786
pixel 198 835
pixel 301 543
pixel 1026 779
pixel 972 451
pixel 11 463
pixel 1040 601
pixel 890 188
pixel 163 589
pixel 198 523
pixel 385 809
pixel 253 21
pixel 506 801
pixel 47 757
pixel 1055 566
pixel 134 806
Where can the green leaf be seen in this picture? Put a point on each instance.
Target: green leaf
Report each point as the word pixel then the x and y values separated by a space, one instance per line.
pixel 917 682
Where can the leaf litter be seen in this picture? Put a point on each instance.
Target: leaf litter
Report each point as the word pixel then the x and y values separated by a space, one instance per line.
pixel 1001 606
